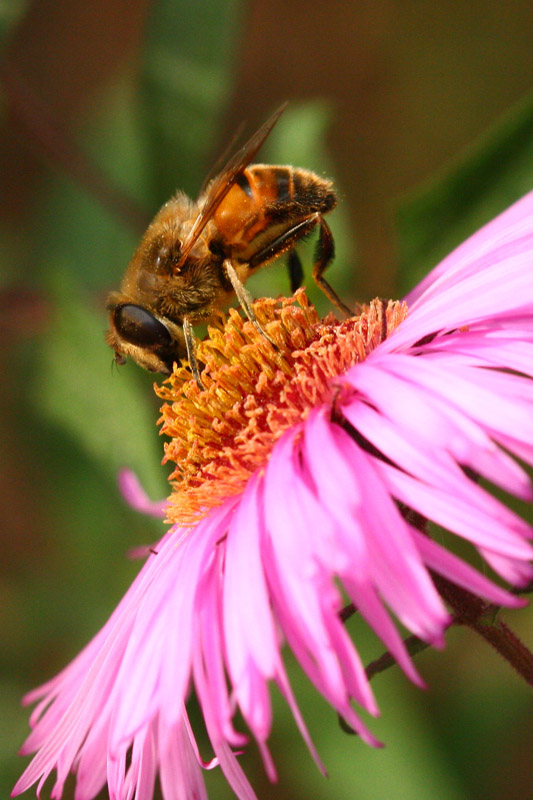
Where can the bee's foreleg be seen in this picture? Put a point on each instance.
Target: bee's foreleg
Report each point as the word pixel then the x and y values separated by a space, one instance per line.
pixel 190 343
pixel 325 250
pixel 245 298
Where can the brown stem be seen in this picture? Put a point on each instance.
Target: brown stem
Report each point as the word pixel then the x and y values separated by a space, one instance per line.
pixel 482 617
pixel 347 612
pixel 468 610
pixel 413 645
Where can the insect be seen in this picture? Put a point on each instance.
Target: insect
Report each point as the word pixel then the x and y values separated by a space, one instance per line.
pixel 196 255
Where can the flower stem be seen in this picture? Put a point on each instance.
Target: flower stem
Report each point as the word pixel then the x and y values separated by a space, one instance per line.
pixel 482 617
pixel 413 646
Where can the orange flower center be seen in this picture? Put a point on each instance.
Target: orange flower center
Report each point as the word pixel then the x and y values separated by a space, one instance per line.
pixel 254 391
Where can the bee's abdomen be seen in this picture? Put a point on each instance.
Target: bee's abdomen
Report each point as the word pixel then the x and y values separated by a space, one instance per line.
pixel 266 200
pixel 290 190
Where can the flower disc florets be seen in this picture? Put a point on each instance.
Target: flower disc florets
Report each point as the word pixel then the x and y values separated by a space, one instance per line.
pixel 255 388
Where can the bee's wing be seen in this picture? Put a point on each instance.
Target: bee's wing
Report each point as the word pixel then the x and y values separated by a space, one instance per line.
pixel 225 180
pixel 220 164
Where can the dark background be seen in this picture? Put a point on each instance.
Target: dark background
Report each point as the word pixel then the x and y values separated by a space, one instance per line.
pixel 107 108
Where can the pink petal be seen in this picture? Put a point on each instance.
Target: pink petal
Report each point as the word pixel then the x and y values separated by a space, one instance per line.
pixel 509 233
pixel 181 776
pixel 248 626
pixel 450 566
pixel 136 497
pixel 392 560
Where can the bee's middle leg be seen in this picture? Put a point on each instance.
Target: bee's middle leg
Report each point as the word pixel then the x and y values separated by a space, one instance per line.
pixel 296 272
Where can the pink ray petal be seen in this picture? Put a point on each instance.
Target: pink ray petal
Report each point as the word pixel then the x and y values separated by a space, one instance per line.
pixel 136 497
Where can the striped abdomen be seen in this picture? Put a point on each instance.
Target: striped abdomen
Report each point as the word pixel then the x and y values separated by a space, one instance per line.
pixel 267 201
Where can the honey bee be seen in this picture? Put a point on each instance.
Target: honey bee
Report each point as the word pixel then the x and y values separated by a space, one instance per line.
pixel 196 255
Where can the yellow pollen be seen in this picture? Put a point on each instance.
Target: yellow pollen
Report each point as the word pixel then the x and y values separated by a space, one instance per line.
pixel 254 391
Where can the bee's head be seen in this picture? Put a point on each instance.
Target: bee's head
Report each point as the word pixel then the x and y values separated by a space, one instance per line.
pixel 154 342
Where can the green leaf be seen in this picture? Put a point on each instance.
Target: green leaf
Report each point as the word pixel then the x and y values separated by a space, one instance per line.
pixel 490 176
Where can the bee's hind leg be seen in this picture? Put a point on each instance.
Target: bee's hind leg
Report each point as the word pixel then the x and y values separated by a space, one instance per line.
pixel 325 250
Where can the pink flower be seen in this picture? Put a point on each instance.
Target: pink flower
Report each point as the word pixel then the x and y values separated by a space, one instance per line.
pixel 301 470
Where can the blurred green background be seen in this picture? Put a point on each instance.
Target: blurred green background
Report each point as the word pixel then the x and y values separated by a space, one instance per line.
pixel 109 107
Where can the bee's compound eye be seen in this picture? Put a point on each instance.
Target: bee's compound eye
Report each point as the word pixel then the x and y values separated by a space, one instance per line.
pixel 138 326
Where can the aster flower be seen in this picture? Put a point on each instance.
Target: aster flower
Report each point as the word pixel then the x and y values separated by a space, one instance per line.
pixel 305 475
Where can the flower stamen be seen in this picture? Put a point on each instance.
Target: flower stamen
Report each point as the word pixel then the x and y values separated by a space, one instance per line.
pixel 255 391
